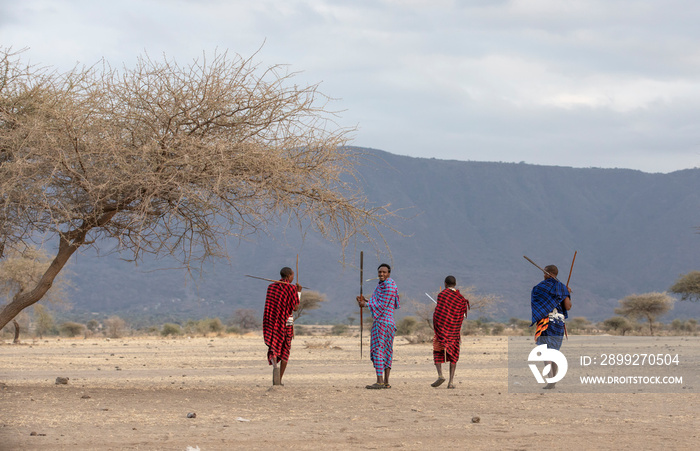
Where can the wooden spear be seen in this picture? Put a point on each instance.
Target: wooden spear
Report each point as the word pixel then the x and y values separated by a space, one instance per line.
pixel 361 280
pixel 546 272
pixel 571 270
pixel 272 280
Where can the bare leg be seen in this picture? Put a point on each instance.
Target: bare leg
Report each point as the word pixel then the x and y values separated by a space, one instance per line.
pixel 440 378
pixel 552 372
pixel 438 366
pixel 386 376
pixel 380 378
pixel 283 366
pixel 453 367
pixel 276 377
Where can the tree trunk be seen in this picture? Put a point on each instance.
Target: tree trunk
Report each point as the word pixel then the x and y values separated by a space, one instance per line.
pixel 16 340
pixel 68 243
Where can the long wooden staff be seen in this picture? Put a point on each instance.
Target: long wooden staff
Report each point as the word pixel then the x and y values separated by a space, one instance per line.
pixel 296 273
pixel 571 270
pixel 272 280
pixel 546 272
pixel 361 280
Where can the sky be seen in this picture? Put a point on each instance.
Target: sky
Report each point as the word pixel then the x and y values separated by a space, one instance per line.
pixel 582 83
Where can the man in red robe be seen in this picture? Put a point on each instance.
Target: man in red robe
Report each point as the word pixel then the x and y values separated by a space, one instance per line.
pixel 278 324
pixel 449 313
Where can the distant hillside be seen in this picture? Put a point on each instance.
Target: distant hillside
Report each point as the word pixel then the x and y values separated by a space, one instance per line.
pixel 634 232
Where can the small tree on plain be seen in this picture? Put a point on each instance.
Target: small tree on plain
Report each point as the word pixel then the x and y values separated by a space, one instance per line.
pixel 310 300
pixel 43 320
pixel 648 305
pixel 618 323
pixel 246 319
pixel 115 327
pixel 71 329
pixel 688 286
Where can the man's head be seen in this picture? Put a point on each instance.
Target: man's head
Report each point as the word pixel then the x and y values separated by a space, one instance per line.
pixel 450 282
pixel 551 269
pixel 287 274
pixel 383 272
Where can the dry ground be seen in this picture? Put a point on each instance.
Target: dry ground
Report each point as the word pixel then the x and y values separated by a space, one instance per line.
pixel 135 394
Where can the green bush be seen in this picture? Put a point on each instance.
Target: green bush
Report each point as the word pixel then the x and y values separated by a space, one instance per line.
pixel 71 329
pixel 170 329
pixel 339 329
pixel 233 330
pixel 407 326
pixel 498 329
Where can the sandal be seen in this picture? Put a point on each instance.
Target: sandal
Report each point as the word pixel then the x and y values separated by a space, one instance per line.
pixel 375 386
pixel 438 382
pixel 387 386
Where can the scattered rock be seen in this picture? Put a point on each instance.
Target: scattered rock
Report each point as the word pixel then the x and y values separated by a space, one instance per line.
pixel 61 380
pixel 476 420
pixel 85 397
pixel 191 415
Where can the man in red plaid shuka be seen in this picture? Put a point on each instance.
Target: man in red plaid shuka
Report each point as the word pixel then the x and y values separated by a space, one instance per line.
pixel 449 313
pixel 278 324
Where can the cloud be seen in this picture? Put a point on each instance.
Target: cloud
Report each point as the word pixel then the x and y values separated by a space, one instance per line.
pixel 580 83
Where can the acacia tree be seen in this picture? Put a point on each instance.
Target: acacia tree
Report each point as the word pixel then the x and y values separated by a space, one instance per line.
pixel 618 323
pixel 164 158
pixel 647 305
pixel 247 319
pixel 688 286
pixel 310 300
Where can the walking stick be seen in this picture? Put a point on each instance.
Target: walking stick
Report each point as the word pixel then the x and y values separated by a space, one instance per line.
pixel 361 280
pixel 571 270
pixel 297 282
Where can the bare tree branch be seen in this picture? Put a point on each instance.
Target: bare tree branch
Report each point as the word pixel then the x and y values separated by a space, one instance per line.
pixel 171 159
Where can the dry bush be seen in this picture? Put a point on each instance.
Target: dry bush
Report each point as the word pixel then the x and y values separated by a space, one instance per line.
pixel 318 344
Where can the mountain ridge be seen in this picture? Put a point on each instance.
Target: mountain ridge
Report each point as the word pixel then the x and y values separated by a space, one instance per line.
pixel 634 232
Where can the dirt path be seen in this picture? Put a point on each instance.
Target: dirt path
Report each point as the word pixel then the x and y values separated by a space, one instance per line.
pixel 135 394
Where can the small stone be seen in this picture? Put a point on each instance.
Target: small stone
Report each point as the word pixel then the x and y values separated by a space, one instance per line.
pixel 85 397
pixel 476 420
pixel 32 433
pixel 191 415
pixel 61 380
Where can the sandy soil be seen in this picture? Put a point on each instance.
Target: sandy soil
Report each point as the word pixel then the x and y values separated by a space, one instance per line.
pixel 136 393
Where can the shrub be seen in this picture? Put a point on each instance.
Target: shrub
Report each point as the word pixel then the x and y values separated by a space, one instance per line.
pixel 233 330
pixel 171 329
pixel 339 329
pixel 407 326
pixel 71 329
